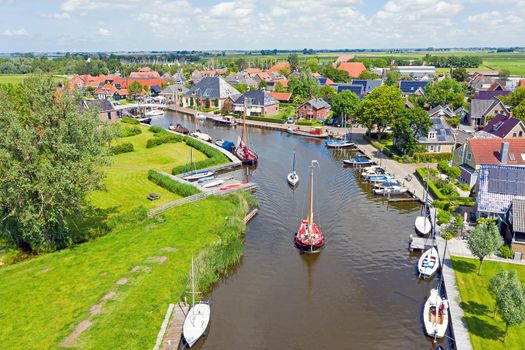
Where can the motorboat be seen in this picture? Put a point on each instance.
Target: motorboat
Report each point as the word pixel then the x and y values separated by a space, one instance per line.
pixel 309 238
pixel 227 145
pixel 201 116
pixel 428 263
pixel 154 113
pixel 435 315
pixel 390 183
pixel 226 120
pixel 316 132
pixel 293 178
pixel 179 128
pixel 145 120
pixel 198 317
pixel 390 190
pixel 358 161
pixel 380 178
pixel 201 136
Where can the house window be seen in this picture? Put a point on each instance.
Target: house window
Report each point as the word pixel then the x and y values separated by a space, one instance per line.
pixel 512 157
pixel 469 156
pixel 431 148
pixel 431 135
pixel 438 148
pixel 523 156
pixel 520 133
pixel 514 134
pixel 109 115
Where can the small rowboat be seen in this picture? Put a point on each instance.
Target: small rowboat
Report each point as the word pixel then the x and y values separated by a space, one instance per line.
pixel 435 315
pixel 232 185
pixel 428 263
pixel 154 113
pixel 201 136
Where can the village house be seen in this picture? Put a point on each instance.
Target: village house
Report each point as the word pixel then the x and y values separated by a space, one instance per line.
pixel 106 110
pixel 515 220
pixel 420 73
pixel 242 78
pixel 356 89
pixel 283 97
pixel 354 69
pixel 440 138
pixel 145 73
pixel 174 93
pixel 481 150
pixel 258 102
pixel 441 111
pixel 491 94
pixel 278 66
pixel 315 109
pixel 416 88
pixel 215 90
pixel 481 109
pixel 503 126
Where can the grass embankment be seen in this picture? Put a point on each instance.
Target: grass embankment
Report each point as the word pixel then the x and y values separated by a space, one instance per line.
pixel 44 299
pixel 127 183
pixel 18 78
pixel 486 332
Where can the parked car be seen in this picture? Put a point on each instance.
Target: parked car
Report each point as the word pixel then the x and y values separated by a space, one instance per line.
pixel 290 120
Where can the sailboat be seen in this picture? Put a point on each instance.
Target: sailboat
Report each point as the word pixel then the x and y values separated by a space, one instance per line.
pixel 309 238
pixel 196 175
pixel 198 317
pixel 435 315
pixel 422 223
pixel 293 178
pixel 344 143
pixel 428 263
pixel 242 151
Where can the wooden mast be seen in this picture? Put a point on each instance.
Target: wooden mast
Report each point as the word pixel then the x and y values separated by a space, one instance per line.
pixel 311 212
pixel 244 123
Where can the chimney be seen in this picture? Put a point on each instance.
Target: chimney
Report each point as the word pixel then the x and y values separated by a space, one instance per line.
pixel 504 153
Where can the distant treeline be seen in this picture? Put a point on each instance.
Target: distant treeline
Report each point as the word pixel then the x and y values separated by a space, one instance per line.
pixel 429 60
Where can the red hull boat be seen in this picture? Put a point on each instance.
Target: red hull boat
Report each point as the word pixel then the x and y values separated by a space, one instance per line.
pixel 242 151
pixel 309 238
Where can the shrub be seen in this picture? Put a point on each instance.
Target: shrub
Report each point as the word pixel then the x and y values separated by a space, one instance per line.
pixel 506 252
pixel 156 129
pixel 446 188
pixel 430 157
pixel 447 235
pixel 451 171
pixel 129 120
pixel 162 138
pixel 266 119
pixel 171 185
pixel 122 148
pixel 128 131
pixel 453 122
pixel 215 156
pixel 443 217
pixel 307 122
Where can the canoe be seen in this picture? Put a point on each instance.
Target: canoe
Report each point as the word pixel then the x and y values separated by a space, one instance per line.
pixel 232 185
pixel 435 315
pixel 428 263
pixel 423 225
pixel 196 322
pixel 293 178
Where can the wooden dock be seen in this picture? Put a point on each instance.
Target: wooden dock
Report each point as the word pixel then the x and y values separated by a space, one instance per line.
pixel 173 335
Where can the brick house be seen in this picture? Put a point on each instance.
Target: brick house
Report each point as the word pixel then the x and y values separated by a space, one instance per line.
pixel 259 102
pixel 315 109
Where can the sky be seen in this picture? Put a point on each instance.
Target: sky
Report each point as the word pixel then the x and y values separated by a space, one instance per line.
pixel 142 25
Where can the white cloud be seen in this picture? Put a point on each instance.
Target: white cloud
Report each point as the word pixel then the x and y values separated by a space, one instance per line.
pixel 103 32
pixel 14 32
pixel 58 15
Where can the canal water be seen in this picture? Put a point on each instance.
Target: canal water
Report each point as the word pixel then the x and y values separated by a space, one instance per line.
pixel 360 292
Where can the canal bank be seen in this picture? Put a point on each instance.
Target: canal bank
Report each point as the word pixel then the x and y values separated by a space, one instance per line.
pixel 361 290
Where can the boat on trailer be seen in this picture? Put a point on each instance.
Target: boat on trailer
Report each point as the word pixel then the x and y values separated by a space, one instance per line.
pixel 198 317
pixel 309 238
pixel 435 315
pixel 428 263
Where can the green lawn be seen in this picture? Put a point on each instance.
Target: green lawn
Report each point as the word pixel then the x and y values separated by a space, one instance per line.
pixel 127 183
pixel 18 78
pixel 44 299
pixel 486 332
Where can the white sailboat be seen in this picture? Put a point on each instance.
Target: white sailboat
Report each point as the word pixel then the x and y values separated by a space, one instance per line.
pixel 198 317
pixel 196 174
pixel 435 315
pixel 422 223
pixel 428 263
pixel 293 178
pixel 344 143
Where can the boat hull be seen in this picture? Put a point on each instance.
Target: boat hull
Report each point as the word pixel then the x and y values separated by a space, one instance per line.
pixel 435 315
pixel 293 179
pixel 340 144
pixel 196 323
pixel 423 225
pixel 428 263
pixel 307 134
pixel 309 243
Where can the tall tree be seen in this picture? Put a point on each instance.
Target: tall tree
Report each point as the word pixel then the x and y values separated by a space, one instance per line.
pixel 345 104
pixel 518 112
pixel 304 86
pixel 484 241
pixel 459 74
pixel 510 301
pixel 497 283
pixel 293 60
pixel 134 89
pixel 380 108
pixel 407 127
pixel 327 92
pixel 392 78
pixel 49 153
pixel 445 92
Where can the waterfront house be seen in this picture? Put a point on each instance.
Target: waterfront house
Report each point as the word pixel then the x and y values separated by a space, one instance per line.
pixel 481 109
pixel 315 109
pixel 215 90
pixel 486 149
pixel 285 97
pixel 416 88
pixel 258 102
pixel 504 127
pixel 440 138
pixel 441 111
pixel 173 93
pixel 106 110
pixel 498 186
pixel 420 73
pixel 354 69
pixel 515 220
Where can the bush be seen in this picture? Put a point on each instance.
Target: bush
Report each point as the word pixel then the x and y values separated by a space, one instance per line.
pixel 266 119
pixel 172 185
pixel 307 122
pixel 446 188
pixel 215 156
pixel 128 131
pixel 443 217
pixel 506 252
pixel 430 157
pixel 129 120
pixel 156 129
pixel 122 148
pixel 447 235
pixel 162 138
pixel 453 122
pixel 451 171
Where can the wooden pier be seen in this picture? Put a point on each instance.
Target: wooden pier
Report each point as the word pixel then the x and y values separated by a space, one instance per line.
pixel 173 334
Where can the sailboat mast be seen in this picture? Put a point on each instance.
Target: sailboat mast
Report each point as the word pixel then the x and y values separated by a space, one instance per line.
pixel 192 286
pixel 311 213
pixel 293 163
pixel 244 123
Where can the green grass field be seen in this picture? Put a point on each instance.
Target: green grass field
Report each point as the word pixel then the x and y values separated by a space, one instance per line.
pixel 486 332
pixel 18 78
pixel 127 181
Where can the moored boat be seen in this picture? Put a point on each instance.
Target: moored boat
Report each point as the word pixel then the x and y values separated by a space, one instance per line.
pixel 145 120
pixel 201 136
pixel 435 315
pixel 201 116
pixel 428 263
pixel 316 132
pixel 358 161
pixel 226 120
pixel 242 151
pixel 343 142
pixel 391 190
pixel 227 145
pixel 423 225
pixel 293 178
pixel 154 113
pixel 179 128
pixel 198 317
pixel 198 175
pixel 309 238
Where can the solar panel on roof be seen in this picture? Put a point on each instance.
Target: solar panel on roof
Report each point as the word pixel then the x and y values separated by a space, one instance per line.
pixel 448 132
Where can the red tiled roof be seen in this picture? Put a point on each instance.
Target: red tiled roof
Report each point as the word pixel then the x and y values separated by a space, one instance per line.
pixel 487 151
pixel 253 70
pixel 277 67
pixel 283 82
pixel 495 86
pixel 144 75
pixel 343 58
pixel 281 96
pixel 147 82
pixel 264 75
pixel 354 69
pixel 522 82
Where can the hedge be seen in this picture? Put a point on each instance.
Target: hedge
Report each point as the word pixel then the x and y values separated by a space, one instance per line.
pixel 156 129
pixel 436 193
pixel 215 156
pixel 172 185
pixel 122 148
pixel 129 120
pixel 308 122
pixel 128 131
pixel 162 138
pixel 266 119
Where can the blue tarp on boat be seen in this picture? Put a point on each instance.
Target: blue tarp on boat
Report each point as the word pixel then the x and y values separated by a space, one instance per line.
pixel 227 145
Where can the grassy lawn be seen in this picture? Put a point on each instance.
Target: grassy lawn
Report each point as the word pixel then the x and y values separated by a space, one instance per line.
pixel 486 332
pixel 127 183
pixel 18 78
pixel 45 298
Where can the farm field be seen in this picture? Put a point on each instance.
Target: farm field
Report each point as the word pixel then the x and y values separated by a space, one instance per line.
pixel 18 78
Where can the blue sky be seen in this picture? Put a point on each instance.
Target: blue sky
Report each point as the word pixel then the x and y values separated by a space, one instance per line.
pixel 102 25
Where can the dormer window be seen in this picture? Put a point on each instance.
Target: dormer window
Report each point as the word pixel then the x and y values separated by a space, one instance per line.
pixel 431 135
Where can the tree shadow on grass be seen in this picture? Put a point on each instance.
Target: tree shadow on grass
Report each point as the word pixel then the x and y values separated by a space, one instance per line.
pixel 90 223
pixel 472 307
pixel 484 329
pixel 464 266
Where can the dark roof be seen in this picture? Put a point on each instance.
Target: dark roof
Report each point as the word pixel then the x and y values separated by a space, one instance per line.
pixel 213 88
pixel 356 89
pixel 442 110
pixel 478 107
pixel 317 103
pixel 501 125
pixel 156 89
pixel 518 215
pixel 368 85
pixel 443 132
pixel 491 94
pixel 410 87
pixel 257 98
pixel 499 185
pixel 102 105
